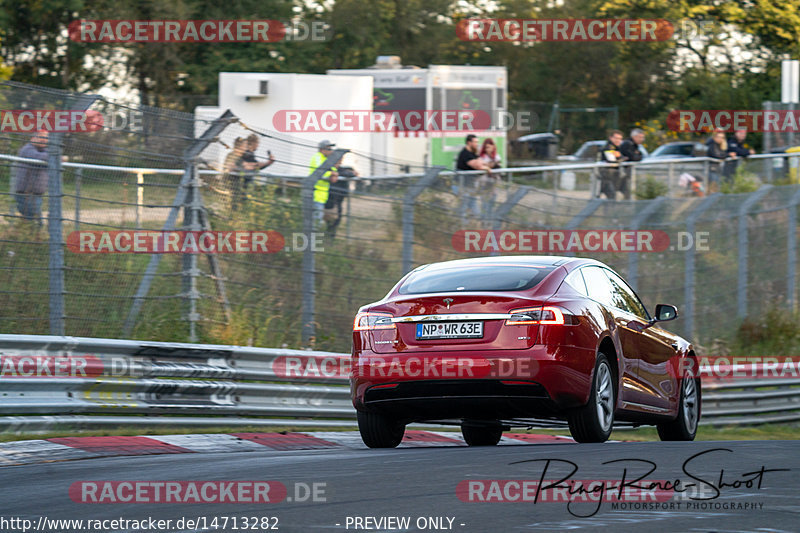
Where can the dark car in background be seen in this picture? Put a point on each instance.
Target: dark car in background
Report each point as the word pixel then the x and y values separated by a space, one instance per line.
pixel 679 150
pixel 490 342
pixel 588 152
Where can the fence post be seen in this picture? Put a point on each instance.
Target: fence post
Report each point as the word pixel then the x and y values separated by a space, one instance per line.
pixel 741 286
pixel 633 260
pixel 56 236
pixel 78 179
pixel 408 215
pixel 140 198
pixel 309 263
pixel 791 250
pixel 55 194
pixel 688 285
pixel 191 222
pixel 768 146
pixel 189 155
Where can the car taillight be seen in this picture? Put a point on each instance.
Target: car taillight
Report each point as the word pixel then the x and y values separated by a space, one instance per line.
pixel 372 320
pixel 536 315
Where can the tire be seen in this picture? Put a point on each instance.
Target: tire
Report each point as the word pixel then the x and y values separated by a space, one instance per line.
pixel 684 427
pixel 475 435
pixel 594 421
pixel 380 431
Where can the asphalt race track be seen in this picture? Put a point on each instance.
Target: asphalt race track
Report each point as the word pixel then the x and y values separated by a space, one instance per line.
pixel 419 484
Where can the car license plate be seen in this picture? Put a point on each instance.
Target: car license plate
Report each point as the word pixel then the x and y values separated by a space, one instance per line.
pixel 449 330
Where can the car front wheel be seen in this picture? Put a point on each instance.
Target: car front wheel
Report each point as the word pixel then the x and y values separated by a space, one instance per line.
pixel 380 431
pixel 593 421
pixel 684 427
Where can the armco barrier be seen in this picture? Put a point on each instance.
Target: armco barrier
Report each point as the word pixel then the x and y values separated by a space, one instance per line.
pixel 73 382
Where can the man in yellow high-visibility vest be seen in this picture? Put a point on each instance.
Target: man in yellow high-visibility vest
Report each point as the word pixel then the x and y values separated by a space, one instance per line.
pixel 323 185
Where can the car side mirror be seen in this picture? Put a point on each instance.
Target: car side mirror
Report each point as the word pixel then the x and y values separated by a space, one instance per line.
pixel 665 313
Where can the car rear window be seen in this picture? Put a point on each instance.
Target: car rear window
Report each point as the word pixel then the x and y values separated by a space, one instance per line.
pixel 475 278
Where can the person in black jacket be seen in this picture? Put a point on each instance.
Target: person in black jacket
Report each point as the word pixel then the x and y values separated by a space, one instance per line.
pixel 631 150
pixel 610 175
pixel 717 149
pixel 737 149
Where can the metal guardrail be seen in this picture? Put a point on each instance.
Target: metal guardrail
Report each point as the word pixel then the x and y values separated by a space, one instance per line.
pixel 103 382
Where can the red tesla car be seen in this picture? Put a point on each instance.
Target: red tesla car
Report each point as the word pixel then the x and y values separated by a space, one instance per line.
pixel 496 342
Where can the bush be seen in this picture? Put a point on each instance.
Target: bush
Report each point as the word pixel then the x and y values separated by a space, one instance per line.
pixel 776 332
pixel 743 182
pixel 650 188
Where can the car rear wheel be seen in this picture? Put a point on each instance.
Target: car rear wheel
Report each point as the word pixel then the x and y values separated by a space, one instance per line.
pixel 380 431
pixel 684 427
pixel 593 422
pixel 481 435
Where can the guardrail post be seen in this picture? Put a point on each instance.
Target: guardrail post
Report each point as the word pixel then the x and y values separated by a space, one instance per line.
pixel 633 260
pixel 308 332
pixel 741 292
pixel 408 215
pixel 688 285
pixel 791 251
pixel 189 155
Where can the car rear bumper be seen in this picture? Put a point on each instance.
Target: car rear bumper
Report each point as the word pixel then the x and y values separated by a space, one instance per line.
pixel 539 382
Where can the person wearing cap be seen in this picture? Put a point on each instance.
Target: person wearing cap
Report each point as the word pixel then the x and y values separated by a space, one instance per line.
pixel 323 185
pixel 30 179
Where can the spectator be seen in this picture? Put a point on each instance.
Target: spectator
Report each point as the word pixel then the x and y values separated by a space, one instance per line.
pixel 610 175
pixel 738 150
pixel 339 190
pixel 489 153
pixel 323 184
pixel 486 184
pixel 737 144
pixel 233 172
pixel 469 159
pixel 30 179
pixel 632 150
pixel 249 161
pixel 717 149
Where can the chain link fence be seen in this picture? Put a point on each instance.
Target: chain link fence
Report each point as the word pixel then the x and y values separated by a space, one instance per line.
pixel 729 256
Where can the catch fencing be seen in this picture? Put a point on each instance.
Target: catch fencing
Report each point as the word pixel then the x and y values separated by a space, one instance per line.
pixel 730 256
pixel 75 383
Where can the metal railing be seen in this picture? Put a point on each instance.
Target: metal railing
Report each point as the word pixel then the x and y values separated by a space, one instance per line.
pixel 70 382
